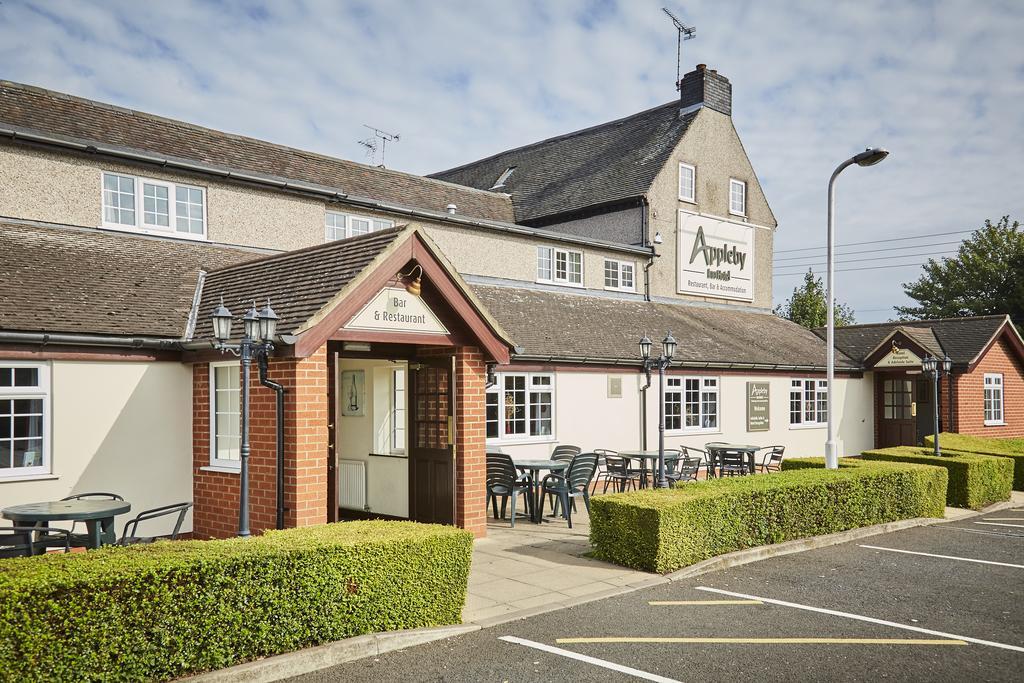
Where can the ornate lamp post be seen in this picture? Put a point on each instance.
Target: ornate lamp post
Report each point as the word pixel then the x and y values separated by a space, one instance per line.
pixel 668 345
pixel 935 368
pixel 258 333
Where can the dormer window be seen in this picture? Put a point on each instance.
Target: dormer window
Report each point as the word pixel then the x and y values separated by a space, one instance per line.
pixel 687 183
pixel 737 197
pixel 165 208
pixel 338 226
pixel 500 182
pixel 559 266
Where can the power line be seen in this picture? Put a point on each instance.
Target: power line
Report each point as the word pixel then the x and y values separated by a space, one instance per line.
pixel 893 239
pixel 862 260
pixel 868 251
pixel 850 270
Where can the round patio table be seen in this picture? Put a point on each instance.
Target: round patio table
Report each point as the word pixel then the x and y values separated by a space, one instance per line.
pixel 98 516
pixel 534 467
pixel 644 457
pixel 747 449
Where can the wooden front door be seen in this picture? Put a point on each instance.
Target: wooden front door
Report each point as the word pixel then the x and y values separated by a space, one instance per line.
pixel 897 422
pixel 431 449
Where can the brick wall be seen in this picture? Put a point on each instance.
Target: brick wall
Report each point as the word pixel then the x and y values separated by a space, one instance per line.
pixel 216 493
pixel 969 397
pixel 470 436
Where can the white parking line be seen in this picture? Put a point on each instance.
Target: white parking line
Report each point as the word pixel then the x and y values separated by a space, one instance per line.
pixel 1004 519
pixel 944 557
pixel 858 617
pixel 1017 526
pixel 628 670
pixel 1007 534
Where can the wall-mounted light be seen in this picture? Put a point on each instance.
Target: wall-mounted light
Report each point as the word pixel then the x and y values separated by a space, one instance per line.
pixel 414 287
pixel 658 239
pixel 492 377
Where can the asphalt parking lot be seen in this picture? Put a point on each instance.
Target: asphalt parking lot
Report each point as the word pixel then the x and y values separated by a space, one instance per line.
pixel 936 603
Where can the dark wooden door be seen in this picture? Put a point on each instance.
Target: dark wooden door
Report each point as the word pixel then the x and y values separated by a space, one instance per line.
pixel 431 449
pixel 897 422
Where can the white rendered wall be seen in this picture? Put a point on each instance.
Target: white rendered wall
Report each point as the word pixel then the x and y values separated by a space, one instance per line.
pixel 121 427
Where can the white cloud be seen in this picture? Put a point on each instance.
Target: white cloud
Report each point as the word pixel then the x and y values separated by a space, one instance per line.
pixel 940 84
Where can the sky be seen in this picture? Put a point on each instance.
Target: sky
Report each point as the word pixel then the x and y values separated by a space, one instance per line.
pixel 939 84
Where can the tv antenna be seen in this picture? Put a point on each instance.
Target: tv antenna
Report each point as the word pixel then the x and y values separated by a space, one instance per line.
pixel 378 141
pixel 685 33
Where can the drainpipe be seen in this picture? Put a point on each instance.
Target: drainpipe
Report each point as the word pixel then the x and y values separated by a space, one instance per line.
pixel 279 390
pixel 644 208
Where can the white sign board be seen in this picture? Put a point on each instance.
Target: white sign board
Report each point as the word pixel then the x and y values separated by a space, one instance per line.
pixel 715 257
pixel 396 310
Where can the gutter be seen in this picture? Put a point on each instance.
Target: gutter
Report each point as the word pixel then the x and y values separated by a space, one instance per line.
pixel 45 338
pixel 331 194
pixel 682 364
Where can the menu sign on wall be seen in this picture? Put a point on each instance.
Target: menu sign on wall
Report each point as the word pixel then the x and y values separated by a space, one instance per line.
pixel 396 310
pixel 757 407
pixel 715 257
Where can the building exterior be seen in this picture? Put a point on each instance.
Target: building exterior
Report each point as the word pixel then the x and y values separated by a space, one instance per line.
pixel 538 270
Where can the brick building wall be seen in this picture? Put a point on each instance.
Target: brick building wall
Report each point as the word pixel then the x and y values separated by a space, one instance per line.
pixel 969 394
pixel 470 437
pixel 216 493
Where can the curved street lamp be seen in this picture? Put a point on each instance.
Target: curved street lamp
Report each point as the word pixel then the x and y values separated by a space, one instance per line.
pixel 668 346
pixel 869 157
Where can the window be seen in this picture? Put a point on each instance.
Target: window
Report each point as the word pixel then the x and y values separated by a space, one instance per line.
pixel 687 183
pixel 225 415
pixel 559 266
pixel 521 406
pixel 167 208
pixel 808 402
pixel 691 404
pixel 341 225
pixel 24 419
pixel 994 399
pixel 897 397
pixel 618 275
pixel 398 410
pixel 737 197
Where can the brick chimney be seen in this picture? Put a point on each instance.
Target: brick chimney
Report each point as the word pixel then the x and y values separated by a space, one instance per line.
pixel 704 87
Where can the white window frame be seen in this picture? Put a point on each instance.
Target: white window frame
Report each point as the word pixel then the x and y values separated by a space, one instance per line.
pixel 742 185
pixel 550 255
pixel 399 410
pixel 620 267
pixel 995 404
pixel 692 196
pixel 676 385
pixel 528 437
pixel 41 391
pixel 374 223
pixel 820 413
pixel 140 224
pixel 216 463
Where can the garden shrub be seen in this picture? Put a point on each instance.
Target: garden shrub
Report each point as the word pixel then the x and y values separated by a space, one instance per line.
pixel 974 480
pixel 164 610
pixel 663 530
pixel 981 445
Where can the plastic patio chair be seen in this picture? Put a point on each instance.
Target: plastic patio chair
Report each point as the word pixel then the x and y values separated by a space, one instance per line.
pixel 21 541
pixel 132 537
pixel 574 484
pixel 504 481
pixel 772 459
pixel 732 463
pixel 618 474
pixel 565 452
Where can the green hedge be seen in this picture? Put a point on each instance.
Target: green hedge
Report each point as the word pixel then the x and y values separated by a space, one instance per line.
pixel 661 531
pixel 980 445
pixel 974 480
pixel 172 608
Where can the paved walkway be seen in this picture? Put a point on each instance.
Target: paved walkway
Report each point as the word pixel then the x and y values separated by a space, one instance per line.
pixel 536 567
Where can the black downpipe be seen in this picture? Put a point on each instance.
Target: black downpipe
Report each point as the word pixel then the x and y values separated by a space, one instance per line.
pixel 279 390
pixel 644 207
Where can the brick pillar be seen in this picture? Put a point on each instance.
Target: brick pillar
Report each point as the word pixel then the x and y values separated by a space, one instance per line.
pixel 470 436
pixel 216 493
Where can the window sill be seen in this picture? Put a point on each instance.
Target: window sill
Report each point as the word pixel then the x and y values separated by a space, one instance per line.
pixel 688 201
pixel 995 424
pixel 738 215
pixel 692 432
pixel 809 425
pixel 520 442
pixel 173 234
pixel 619 289
pixel 556 283
pixel 29 477
pixel 221 468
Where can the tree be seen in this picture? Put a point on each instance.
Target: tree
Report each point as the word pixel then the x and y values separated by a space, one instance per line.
pixel 807 305
pixel 986 276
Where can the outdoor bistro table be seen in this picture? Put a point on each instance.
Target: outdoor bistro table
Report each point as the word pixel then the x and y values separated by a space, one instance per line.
pixel 534 467
pixel 644 457
pixel 747 449
pixel 98 516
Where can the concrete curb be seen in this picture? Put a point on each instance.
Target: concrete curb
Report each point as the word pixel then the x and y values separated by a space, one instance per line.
pixel 320 657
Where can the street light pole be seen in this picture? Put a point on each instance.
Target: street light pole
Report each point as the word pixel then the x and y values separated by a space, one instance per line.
pixel 936 367
pixel 662 362
pixel 868 157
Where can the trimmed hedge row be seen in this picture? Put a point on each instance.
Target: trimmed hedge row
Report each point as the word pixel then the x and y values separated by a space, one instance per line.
pixel 661 531
pixel 980 445
pixel 974 480
pixel 165 610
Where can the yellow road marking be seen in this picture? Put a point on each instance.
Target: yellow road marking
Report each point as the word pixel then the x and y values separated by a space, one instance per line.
pixel 766 641
pixel 705 602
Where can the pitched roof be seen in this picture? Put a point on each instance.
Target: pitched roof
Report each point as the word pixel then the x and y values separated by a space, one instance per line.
pixel 101 282
pixel 611 162
pixel 962 339
pixel 46 111
pixel 297 283
pixel 574 326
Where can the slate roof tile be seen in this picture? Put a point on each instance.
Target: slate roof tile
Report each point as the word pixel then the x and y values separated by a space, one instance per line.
pixel 961 338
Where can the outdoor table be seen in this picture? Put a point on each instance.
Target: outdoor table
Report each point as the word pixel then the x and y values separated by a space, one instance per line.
pixel 643 457
pixel 534 467
pixel 747 449
pixel 98 516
